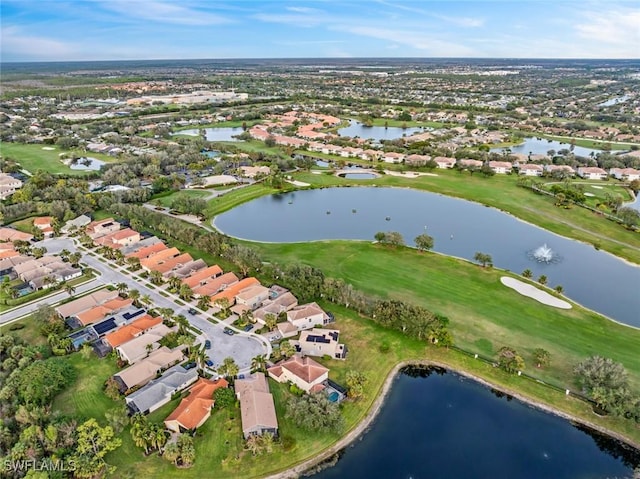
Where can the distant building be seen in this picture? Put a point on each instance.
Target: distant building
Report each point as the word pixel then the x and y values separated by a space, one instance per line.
pixel 592 173
pixel 321 342
pixel 257 410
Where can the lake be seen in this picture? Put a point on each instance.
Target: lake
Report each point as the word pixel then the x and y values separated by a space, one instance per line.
pixel 215 134
pixel 436 424
pixel 356 128
pixel 460 228
pixel 541 146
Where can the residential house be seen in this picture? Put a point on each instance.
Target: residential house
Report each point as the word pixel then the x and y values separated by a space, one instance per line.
pixel 230 292
pixel 305 316
pixel 139 347
pixel 304 372
pixel 392 157
pixel 469 163
pixel 158 392
pixel 445 162
pixel 118 239
pixel 200 277
pixel 138 327
pixel 321 342
pixel 253 171
pixel 530 170
pixel 566 169
pixel 96 229
pixel 214 286
pixel 417 160
pixel 501 167
pixel 86 302
pixel 188 268
pixel 9 235
pixel 45 224
pixel 145 370
pixel 195 409
pixel 142 251
pixel 592 173
pixel 625 174
pixel 281 303
pixel 75 224
pixel 257 410
pixel 8 185
pixel 253 296
pixel 10 261
pixel 101 311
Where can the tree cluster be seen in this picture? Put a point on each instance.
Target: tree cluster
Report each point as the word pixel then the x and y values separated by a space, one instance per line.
pixel 314 412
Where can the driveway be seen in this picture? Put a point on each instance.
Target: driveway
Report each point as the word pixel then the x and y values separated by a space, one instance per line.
pixel 242 347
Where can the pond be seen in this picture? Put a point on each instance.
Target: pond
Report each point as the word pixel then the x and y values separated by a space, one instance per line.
pixel 537 146
pixel 460 228
pixel 356 128
pixel 359 176
pixel 436 424
pixel 614 101
pixel 86 163
pixel 211 153
pixel 215 134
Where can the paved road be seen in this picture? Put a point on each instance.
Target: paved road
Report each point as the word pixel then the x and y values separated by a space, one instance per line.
pixel 242 347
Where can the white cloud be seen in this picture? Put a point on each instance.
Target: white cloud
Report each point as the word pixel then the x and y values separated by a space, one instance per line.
pixel 23 46
pixel 293 19
pixel 303 10
pixel 618 28
pixel 163 12
pixel 456 20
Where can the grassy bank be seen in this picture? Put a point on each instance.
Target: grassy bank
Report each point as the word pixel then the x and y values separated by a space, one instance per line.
pixel 234 198
pixel 34 157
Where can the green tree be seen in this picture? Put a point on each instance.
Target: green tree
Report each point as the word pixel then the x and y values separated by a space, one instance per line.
pixel 356 381
pixel 542 357
pixel 314 412
pixel 185 292
pixel 122 288
pixel 287 349
pixel 186 449
pixel 259 363
pixel 156 277
pixel 542 279
pixel 224 398
pixel 117 418
pixel 527 273
pixel 93 444
pixel 605 380
pixel 112 388
pixel 204 303
pixel 424 242
pixel 270 321
pixel 510 360
pixel 484 259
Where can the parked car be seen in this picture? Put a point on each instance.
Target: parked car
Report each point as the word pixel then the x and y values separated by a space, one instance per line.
pixel 192 311
pixel 248 327
pixel 229 331
pixel 207 344
pixel 209 363
pixel 190 365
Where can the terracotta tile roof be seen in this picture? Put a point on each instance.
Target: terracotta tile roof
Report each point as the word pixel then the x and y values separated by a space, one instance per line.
pixel 195 408
pixel 201 277
pixel 305 368
pixel 130 331
pixel 215 285
pixel 42 221
pixel 171 263
pixel 158 257
pixel 147 251
pixel 100 311
pixel 9 234
pixel 231 291
pixel 8 253
pixel 86 302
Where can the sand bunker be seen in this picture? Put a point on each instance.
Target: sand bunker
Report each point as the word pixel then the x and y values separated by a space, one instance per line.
pixel 531 291
pixel 589 194
pixel 48 148
pixel 408 174
pixel 596 187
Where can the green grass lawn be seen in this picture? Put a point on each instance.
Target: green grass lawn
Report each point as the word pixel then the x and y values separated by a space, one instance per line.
pixel 252 146
pixel 236 197
pixel 33 157
pixel 501 191
pixel 168 199
pixel 484 314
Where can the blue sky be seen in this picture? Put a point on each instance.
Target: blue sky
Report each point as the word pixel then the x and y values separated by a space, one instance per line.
pixel 59 30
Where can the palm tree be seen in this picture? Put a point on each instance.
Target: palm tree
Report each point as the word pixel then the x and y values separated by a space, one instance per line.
pixel 74 258
pixel 134 263
pixel 182 321
pixel 229 368
pixel 146 300
pixel 134 295
pixel 174 283
pixel 166 313
pixel 527 274
pixel 172 453
pixel 155 277
pixel 122 288
pixel 204 303
pixel 69 288
pixel 259 363
pixel 64 254
pixel 287 349
pixel 270 320
pixel 185 292
pixel 542 279
pixel 199 355
pixel 559 289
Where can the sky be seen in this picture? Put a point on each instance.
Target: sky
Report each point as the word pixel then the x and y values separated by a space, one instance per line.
pixel 66 30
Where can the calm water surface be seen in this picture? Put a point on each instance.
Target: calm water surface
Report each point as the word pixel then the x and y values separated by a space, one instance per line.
pixel 445 426
pixel 215 134
pixel 356 128
pixel 86 163
pixel 460 228
pixel 538 146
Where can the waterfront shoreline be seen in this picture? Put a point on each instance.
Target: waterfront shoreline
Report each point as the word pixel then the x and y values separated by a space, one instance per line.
pixel 369 419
